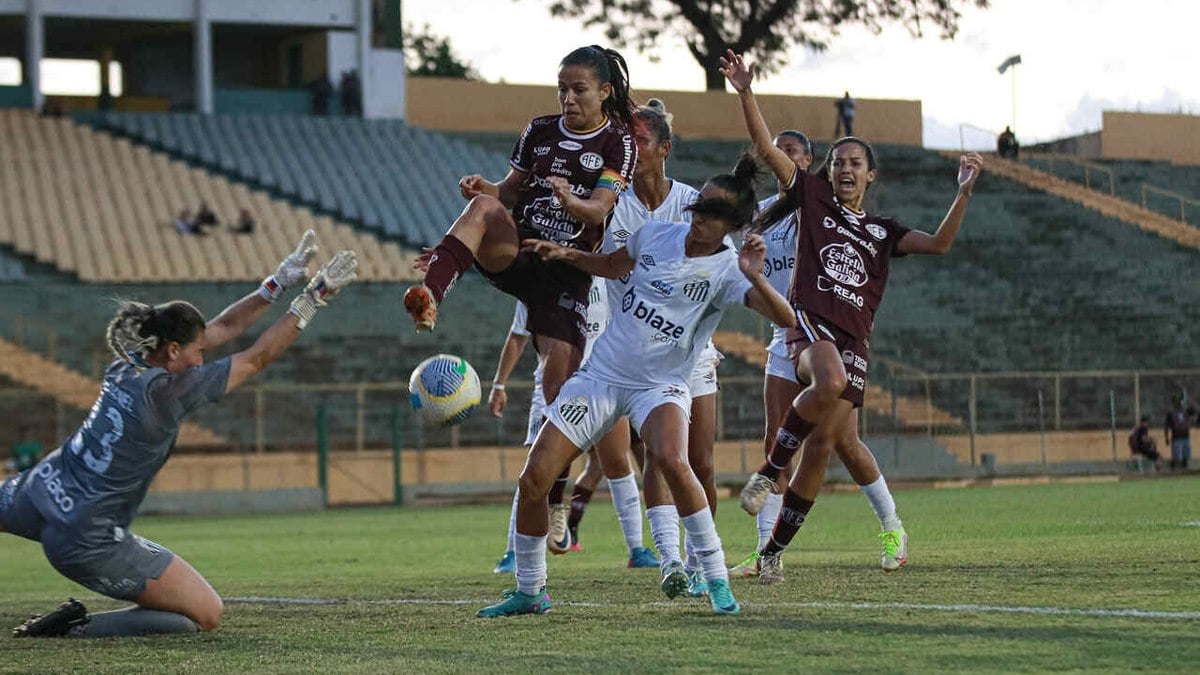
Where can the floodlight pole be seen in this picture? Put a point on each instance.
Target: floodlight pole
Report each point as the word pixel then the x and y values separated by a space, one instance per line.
pixel 1013 68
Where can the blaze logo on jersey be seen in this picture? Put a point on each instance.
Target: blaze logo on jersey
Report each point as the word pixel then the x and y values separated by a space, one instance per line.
pixel 574 411
pixel 696 290
pixel 667 329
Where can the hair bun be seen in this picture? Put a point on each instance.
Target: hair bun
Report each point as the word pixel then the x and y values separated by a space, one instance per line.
pixel 657 104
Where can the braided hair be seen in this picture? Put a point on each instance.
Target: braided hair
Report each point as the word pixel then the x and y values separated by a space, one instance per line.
pixel 138 329
pixel 609 67
pixel 654 117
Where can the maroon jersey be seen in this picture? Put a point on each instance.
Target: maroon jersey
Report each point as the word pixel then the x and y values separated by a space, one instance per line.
pixel 598 159
pixel 842 257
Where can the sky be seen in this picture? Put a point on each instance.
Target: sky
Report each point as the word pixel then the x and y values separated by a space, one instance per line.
pixel 1079 57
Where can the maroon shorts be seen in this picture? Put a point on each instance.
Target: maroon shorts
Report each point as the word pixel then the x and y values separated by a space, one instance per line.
pixel 811 329
pixel 555 293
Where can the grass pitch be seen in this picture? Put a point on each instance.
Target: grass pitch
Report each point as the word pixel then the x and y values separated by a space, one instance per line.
pixel 1005 579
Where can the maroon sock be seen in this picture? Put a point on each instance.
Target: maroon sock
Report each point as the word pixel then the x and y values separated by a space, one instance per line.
pixel 560 486
pixel 579 502
pixel 787 443
pixel 450 259
pixel 791 516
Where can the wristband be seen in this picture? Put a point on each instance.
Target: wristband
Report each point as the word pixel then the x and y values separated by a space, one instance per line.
pixel 271 289
pixel 497 387
pixel 305 309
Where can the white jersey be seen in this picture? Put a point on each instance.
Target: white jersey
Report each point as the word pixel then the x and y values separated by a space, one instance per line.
pixel 628 217
pixel 668 311
pixel 781 259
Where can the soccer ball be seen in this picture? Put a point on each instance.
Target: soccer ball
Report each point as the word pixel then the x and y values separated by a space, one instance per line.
pixel 444 390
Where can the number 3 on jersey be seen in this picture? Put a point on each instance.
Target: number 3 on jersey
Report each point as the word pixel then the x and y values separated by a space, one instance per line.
pixel 99 459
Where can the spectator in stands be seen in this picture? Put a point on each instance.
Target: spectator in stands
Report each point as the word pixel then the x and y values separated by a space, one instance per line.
pixel 351 94
pixel 1006 144
pixel 245 222
pixel 80 500
pixel 205 217
pixel 322 93
pixel 845 121
pixel 186 224
pixel 843 258
pixel 1141 443
pixel 1178 429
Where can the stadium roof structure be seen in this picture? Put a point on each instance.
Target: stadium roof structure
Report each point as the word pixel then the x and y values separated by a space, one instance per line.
pixel 103 30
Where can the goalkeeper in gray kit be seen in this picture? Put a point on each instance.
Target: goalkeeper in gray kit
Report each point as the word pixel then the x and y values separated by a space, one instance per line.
pixel 80 500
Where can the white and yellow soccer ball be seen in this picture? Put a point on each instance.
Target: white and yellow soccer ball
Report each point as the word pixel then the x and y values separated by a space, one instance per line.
pixel 443 390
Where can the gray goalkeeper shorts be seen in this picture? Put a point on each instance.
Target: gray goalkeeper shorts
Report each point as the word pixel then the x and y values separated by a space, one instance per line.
pixel 102 557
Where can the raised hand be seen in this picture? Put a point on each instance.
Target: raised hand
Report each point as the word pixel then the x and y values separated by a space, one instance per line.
pixel 335 275
pixel 293 271
pixel 970 166
pixel 752 256
pixel 561 188
pixel 737 71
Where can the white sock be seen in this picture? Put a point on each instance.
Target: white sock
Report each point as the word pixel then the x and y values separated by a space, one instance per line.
pixel 690 560
pixel 512 521
pixel 664 528
pixel 531 562
pixel 628 502
pixel 767 517
pixel 881 500
pixel 703 531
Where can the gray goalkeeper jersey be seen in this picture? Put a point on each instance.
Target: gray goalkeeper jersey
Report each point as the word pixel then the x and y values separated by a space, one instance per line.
pixel 100 475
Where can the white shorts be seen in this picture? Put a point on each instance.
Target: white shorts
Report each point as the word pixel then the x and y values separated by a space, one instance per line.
pixel 781 367
pixel 704 378
pixel 586 408
pixel 537 410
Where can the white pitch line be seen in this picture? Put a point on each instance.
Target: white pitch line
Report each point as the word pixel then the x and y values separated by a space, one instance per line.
pixel 954 608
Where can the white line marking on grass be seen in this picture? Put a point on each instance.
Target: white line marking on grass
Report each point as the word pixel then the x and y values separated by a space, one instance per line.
pixel 955 608
pixel 1190 523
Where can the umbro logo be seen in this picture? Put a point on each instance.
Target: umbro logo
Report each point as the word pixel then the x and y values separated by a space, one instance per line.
pixel 621 235
pixel 647 261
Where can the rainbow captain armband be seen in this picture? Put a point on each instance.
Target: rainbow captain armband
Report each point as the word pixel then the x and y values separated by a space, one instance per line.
pixel 271 289
pixel 611 180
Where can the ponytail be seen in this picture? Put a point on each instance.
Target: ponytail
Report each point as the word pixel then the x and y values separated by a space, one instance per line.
pixel 138 329
pixel 742 184
pixel 609 67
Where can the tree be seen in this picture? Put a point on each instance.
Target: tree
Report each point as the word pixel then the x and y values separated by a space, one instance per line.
pixel 763 29
pixel 430 55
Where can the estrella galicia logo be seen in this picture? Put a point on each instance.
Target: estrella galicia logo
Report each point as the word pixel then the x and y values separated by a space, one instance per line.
pixel 696 291
pixel 647 261
pixel 574 411
pixel 662 287
pixel 627 300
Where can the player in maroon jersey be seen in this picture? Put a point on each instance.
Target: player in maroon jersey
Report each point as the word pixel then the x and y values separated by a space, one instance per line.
pixel 842 260
pixel 565 174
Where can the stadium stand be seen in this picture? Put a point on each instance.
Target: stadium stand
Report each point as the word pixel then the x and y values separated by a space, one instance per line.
pixel 102 208
pixel 392 179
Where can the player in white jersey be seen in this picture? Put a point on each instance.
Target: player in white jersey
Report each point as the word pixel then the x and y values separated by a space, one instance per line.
pixel 682 278
pixel 616 462
pixel 780 385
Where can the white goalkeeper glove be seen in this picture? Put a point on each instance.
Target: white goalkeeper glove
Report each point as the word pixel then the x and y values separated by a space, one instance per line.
pixel 326 283
pixel 293 271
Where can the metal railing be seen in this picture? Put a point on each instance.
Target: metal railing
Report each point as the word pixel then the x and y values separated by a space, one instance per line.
pixel 1183 201
pixel 1089 168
